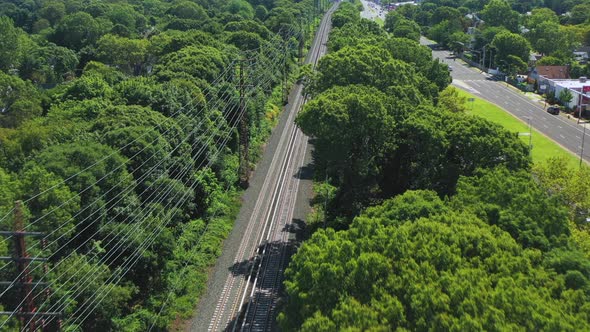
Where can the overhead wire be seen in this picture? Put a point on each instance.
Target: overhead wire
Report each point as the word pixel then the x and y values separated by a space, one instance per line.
pixel 78 246
pixel 218 151
pixel 137 257
pixel 226 71
pixel 106 157
pixel 98 199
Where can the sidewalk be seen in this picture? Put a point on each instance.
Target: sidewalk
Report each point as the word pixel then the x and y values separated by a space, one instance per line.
pixel 539 99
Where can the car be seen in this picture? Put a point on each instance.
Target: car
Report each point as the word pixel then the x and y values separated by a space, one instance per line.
pixel 553 110
pixel 450 68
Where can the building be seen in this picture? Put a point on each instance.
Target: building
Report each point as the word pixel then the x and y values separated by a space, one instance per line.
pixel 579 88
pixel 543 74
pixel 582 54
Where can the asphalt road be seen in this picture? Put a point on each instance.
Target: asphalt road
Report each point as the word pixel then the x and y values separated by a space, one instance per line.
pixel 565 132
pixel 372 11
pixel 266 209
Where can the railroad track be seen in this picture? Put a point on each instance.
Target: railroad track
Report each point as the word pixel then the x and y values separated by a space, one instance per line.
pixel 251 289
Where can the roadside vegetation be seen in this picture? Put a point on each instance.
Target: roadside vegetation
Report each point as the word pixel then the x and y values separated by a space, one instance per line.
pixel 543 148
pixel 117 130
pixel 505 32
pixel 434 218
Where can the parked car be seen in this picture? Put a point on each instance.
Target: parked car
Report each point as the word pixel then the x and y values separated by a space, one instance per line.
pixel 553 110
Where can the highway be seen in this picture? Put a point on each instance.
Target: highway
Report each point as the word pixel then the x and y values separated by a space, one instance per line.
pixel 565 132
pixel 372 10
pixel 244 286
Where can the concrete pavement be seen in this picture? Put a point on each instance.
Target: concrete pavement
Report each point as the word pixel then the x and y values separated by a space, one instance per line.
pixel 559 128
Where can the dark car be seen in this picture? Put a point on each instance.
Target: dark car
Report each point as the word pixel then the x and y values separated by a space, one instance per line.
pixel 553 110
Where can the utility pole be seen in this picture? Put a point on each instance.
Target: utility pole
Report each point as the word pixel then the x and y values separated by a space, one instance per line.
pixel 580 107
pixel 582 147
pixel 27 312
pixel 244 144
pixel 285 74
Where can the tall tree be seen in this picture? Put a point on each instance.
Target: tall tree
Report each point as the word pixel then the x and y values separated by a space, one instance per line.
pixel 499 13
pixel 510 44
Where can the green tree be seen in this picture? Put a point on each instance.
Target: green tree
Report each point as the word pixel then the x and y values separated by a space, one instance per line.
pixel 407 29
pixel 19 101
pixel 499 13
pixel 580 13
pixel 51 203
pixel 540 15
pixel 565 96
pixel 510 44
pixel 241 8
pixel 77 30
pixel 347 13
pixel 354 127
pixel 458 42
pixel 572 183
pixel 52 11
pixel 430 269
pixel 129 54
pixel 188 10
pixel 87 87
pixel 450 99
pixel 202 62
pixel 368 65
pixel 49 64
pixel 550 61
pixel 9 46
pixel 64 278
pixel 539 223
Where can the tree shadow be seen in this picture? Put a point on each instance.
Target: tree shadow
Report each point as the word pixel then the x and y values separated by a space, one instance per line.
pixel 305 172
pixel 246 266
pixel 262 307
pixel 296 227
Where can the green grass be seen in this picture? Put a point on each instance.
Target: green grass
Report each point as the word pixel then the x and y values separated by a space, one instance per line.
pixel 379 21
pixel 543 147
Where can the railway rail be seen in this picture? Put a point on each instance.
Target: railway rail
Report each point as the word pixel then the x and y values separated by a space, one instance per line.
pixel 249 296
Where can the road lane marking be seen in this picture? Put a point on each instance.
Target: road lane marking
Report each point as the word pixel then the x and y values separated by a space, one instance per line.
pixel 562 137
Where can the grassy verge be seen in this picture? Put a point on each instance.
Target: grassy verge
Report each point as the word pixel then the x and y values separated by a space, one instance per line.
pixel 543 147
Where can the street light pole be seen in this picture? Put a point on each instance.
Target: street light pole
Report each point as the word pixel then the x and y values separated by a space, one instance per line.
pixel 530 135
pixel 582 147
pixel 580 107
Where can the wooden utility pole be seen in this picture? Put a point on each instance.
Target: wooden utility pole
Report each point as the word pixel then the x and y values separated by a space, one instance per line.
pixel 244 145
pixel 27 311
pixel 285 74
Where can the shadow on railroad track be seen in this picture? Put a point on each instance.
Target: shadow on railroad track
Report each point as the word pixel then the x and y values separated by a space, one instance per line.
pixel 297 226
pixel 242 268
pixel 305 172
pixel 268 269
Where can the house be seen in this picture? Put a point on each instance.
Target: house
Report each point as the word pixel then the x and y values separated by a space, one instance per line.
pixel 579 88
pixel 533 58
pixel 581 54
pixel 543 74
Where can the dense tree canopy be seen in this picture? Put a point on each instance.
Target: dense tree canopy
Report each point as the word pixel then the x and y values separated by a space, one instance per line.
pixel 433 218
pixel 417 264
pixel 117 130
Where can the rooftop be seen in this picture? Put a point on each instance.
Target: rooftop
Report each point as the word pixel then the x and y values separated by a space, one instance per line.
pixel 572 84
pixel 553 72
